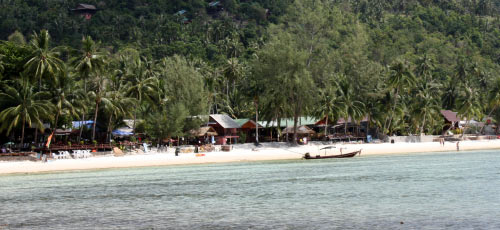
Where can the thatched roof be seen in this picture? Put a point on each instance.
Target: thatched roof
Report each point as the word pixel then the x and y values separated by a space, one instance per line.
pixel 204 131
pixel 85 7
pixel 450 115
pixel 300 130
pixel 225 121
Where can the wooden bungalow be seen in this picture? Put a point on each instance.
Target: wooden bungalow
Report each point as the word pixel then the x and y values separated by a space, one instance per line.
pixel 86 10
pixel 450 119
pixel 248 127
pixel 225 127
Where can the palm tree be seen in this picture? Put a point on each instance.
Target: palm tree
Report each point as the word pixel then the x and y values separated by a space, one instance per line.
pixel 88 61
pixel 99 96
pixel 67 98
pixel 494 96
pixel 349 105
pixel 400 79
pixel 140 85
pixel 25 106
pixel 327 104
pixel 425 108
pixel 1 66
pixel 425 66
pixel 117 107
pixel 233 70
pixel 469 105
pixel 44 61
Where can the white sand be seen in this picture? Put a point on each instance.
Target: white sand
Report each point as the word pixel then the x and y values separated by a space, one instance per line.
pixel 247 152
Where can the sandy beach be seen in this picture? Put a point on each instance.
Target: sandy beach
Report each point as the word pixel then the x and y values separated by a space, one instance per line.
pixel 246 152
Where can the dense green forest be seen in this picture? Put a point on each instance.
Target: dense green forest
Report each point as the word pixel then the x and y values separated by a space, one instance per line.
pixel 397 62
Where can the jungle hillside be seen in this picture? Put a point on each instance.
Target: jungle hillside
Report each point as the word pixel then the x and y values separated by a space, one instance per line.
pixel 396 63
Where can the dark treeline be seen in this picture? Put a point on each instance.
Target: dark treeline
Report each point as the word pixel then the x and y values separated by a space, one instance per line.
pixel 396 62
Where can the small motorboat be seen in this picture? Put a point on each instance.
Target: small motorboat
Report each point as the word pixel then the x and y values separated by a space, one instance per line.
pixel 308 156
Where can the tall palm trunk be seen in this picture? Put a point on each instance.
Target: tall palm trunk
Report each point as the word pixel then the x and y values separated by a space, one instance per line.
pixel 135 118
pixel 81 127
pixel 326 125
pixel 83 115
pixel 295 121
pixel 278 128
pixel 36 136
pixel 56 120
pixel 345 127
pixel 55 124
pixel 257 122
pixel 136 109
pixel 22 132
pixel 423 124
pixel 286 124
pixel 95 119
pixel 108 137
pixel 393 109
pixel 465 128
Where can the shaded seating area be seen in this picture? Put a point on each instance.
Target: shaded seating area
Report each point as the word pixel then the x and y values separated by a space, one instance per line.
pixel 302 132
pixel 338 137
pixel 204 135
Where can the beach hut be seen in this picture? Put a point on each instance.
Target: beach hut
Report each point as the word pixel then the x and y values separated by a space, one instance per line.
pixel 206 131
pixel 451 120
pixel 86 10
pixel 302 132
pixel 247 127
pixel 225 127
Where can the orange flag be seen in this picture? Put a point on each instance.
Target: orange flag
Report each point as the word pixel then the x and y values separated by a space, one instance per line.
pixel 49 139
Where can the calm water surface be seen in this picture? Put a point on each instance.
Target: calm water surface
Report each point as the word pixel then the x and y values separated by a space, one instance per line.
pixel 424 191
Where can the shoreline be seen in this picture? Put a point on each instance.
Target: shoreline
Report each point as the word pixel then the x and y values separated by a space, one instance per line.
pixel 240 153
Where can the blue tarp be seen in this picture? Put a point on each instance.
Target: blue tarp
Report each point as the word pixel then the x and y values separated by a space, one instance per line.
pixel 118 132
pixel 77 124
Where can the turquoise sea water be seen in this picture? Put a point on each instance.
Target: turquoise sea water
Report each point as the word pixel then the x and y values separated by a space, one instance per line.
pixel 424 191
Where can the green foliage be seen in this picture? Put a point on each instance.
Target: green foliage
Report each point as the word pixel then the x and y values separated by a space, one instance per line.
pixel 23 105
pixel 398 63
pixel 166 124
pixel 243 137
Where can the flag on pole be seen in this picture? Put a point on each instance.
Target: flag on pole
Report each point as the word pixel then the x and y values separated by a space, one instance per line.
pixel 49 139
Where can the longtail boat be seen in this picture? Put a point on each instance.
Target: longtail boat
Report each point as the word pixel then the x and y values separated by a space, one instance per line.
pixel 308 156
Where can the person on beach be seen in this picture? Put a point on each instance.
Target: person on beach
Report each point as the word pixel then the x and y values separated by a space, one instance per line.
pixel 458 145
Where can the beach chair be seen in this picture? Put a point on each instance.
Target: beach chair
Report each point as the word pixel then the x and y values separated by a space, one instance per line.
pixel 77 153
pixel 64 155
pixel 86 154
